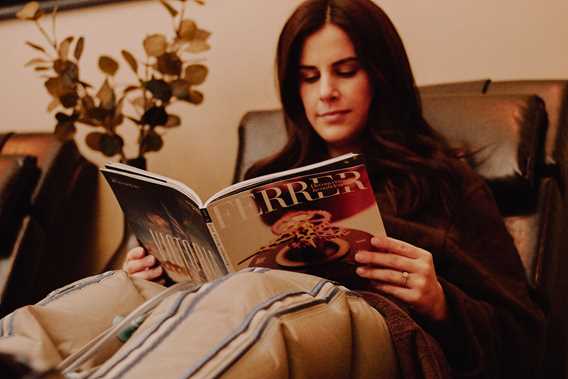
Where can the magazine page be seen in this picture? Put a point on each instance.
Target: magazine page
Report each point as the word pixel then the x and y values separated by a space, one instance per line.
pixel 169 225
pixel 312 223
pixel 340 161
pixel 143 174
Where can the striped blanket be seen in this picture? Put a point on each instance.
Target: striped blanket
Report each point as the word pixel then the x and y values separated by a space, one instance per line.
pixel 256 323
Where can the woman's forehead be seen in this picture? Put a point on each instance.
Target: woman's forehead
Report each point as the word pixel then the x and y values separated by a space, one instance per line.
pixel 326 46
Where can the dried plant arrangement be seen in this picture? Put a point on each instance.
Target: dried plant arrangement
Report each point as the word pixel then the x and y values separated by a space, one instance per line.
pixel 169 72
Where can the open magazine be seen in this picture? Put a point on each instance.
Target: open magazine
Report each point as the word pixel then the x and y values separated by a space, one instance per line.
pixel 311 219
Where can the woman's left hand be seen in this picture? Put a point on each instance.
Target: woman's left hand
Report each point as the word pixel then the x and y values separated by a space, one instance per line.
pixel 405 272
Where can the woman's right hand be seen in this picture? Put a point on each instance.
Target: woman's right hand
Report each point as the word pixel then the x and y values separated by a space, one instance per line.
pixel 139 264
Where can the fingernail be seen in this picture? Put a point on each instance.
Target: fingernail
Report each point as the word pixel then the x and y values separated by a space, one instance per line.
pixel 359 257
pixel 360 270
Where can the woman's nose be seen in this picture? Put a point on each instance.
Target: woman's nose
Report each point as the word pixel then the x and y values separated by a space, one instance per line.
pixel 328 89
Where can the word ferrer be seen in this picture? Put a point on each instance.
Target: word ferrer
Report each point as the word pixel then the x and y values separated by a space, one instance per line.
pixel 288 194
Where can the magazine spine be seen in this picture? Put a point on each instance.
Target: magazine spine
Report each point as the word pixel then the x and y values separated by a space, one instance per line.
pixel 217 240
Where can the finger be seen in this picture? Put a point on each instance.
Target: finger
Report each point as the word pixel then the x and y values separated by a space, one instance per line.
pixel 386 260
pixel 149 274
pixel 135 253
pixel 140 264
pixel 385 276
pixel 395 246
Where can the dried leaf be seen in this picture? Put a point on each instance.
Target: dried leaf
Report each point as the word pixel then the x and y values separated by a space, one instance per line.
pixel 155 45
pixel 35 61
pixel 159 89
pixel 36 46
pixel 63 50
pixel 151 142
pixel 197 46
pixel 79 46
pixel 111 144
pixel 169 64
pixel 63 117
pixel 155 116
pixel 195 97
pixel 195 74
pixel 98 114
pixel 58 86
pixel 87 103
pixel 173 12
pixel 53 87
pixel 54 103
pixel 93 140
pixel 117 120
pixel 67 69
pixel 130 89
pixel 108 65
pixel 180 88
pixel 187 29
pixel 202 34
pixel 129 58
pixel 108 144
pixel 30 11
pixel 106 96
pixel 173 121
pixel 69 100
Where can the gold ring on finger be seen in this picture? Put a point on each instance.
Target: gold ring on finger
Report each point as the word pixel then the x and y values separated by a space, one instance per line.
pixel 404 276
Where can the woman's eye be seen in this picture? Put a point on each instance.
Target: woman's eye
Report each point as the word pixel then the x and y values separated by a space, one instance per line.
pixel 309 78
pixel 347 72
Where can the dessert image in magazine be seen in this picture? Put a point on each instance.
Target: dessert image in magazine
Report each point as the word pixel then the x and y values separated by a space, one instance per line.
pixel 311 219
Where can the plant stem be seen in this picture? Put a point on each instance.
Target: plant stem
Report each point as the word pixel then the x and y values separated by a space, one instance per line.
pixel 53 19
pixel 181 14
pixel 47 37
pixel 142 135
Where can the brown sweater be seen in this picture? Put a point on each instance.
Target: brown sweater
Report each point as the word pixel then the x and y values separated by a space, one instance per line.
pixel 495 328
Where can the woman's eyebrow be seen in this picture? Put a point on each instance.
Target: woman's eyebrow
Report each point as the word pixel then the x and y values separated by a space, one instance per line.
pixel 345 60
pixel 334 64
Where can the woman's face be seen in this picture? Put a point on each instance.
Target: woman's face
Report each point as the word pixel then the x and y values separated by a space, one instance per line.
pixel 335 90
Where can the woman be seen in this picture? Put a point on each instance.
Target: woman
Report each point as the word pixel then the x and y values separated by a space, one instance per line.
pixel 346 85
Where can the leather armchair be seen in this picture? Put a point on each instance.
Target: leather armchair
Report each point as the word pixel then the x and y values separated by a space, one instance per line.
pixel 553 173
pixel 510 134
pixel 46 202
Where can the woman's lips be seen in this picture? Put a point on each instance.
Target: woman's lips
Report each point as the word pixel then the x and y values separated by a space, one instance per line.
pixel 333 117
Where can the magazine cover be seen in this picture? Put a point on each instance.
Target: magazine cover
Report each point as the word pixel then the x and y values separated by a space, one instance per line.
pixel 313 223
pixel 169 226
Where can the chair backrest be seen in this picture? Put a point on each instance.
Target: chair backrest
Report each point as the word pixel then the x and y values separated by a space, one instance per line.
pixel 554 93
pixel 507 132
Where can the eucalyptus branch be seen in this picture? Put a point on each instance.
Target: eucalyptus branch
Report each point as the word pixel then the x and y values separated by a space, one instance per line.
pixel 168 76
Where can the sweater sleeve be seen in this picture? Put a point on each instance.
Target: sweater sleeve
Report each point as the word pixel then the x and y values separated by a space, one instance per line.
pixel 494 328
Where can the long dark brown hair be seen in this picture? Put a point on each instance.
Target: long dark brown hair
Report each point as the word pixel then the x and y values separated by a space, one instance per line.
pixel 405 156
